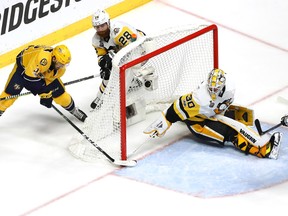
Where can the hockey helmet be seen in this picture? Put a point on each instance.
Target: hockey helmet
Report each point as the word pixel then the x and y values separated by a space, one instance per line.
pixel 62 54
pixel 216 82
pixel 100 17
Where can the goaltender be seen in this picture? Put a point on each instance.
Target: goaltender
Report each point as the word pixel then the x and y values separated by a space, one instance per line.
pixel 209 115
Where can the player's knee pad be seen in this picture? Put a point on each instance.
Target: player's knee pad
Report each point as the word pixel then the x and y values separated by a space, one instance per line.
pixel 65 100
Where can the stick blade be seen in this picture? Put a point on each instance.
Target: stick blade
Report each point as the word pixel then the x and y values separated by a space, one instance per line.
pixel 126 163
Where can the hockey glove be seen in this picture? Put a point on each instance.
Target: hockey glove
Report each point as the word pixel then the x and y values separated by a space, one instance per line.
pixel 159 127
pixel 104 73
pixel 105 62
pixel 46 99
pixel 47 102
pixel 284 120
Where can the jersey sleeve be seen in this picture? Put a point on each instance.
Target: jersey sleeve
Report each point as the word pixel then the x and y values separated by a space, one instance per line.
pixel 122 34
pixel 183 108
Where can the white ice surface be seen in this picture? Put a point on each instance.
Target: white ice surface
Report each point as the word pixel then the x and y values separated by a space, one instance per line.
pixel 40 178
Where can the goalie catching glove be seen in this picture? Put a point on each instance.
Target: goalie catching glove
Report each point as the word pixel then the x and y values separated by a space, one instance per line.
pixel 159 127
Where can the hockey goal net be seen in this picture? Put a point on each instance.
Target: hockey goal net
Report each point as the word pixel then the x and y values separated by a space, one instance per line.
pixel 179 58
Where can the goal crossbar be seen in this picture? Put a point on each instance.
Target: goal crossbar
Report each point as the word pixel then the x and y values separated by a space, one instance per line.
pixel 147 56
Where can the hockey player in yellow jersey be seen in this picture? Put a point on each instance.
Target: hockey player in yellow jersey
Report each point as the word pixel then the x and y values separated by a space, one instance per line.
pixel 209 115
pixel 39 69
pixel 108 39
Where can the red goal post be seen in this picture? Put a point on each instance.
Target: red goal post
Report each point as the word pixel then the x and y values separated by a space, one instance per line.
pixel 180 59
pixel 123 68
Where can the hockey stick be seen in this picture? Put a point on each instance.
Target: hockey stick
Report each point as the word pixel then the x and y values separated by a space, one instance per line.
pixel 81 79
pixel 143 143
pixel 112 160
pixel 259 129
pixel 65 84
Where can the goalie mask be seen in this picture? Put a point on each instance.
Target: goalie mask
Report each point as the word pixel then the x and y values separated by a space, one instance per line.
pixel 216 82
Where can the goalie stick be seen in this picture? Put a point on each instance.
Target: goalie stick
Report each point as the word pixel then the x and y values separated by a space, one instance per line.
pixel 259 128
pixel 65 84
pixel 130 163
pixel 143 143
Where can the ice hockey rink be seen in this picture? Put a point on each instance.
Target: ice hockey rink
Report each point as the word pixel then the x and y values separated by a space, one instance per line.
pixel 174 175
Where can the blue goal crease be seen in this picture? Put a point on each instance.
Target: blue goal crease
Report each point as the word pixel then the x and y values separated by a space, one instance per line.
pixel 208 171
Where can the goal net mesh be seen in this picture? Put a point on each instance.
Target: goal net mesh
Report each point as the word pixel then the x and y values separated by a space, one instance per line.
pixel 181 59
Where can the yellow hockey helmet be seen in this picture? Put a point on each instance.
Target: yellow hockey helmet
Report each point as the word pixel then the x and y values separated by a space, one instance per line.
pixel 62 54
pixel 216 82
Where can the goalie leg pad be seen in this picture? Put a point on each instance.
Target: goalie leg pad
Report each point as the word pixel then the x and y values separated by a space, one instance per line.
pixel 269 150
pixel 251 136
